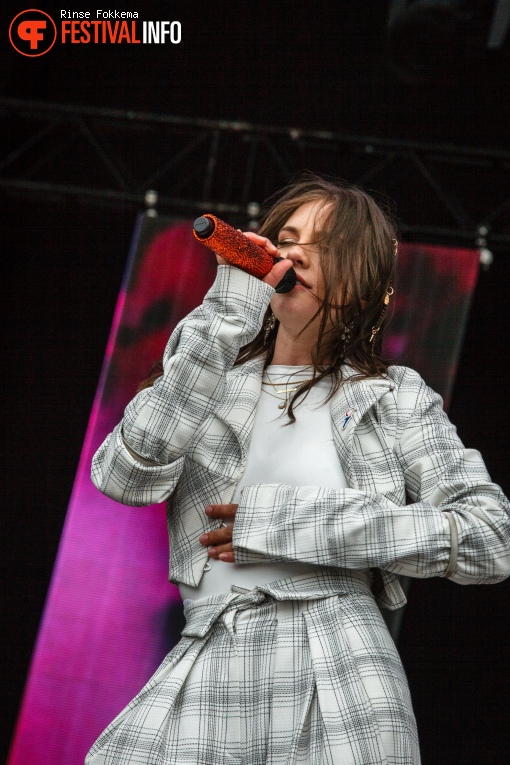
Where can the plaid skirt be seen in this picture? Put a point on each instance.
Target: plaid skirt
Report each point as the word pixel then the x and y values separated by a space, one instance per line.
pixel 261 681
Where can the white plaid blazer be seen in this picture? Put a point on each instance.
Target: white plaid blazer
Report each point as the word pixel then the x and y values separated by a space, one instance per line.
pixel 418 503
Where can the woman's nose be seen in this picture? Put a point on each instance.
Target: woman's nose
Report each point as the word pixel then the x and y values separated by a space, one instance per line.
pixel 297 253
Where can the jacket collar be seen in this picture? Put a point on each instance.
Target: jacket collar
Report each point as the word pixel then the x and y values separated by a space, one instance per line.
pixel 242 392
pixel 349 405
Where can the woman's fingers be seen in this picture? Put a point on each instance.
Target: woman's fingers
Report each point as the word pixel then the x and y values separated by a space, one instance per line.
pixel 262 241
pixel 278 271
pixel 227 557
pixel 221 511
pixel 222 552
pixel 218 536
pixel 224 534
pixel 219 541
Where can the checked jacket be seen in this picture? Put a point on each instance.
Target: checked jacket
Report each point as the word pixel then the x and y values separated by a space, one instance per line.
pixel 418 503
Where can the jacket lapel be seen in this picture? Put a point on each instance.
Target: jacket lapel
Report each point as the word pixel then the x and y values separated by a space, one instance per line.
pixel 237 410
pixel 349 406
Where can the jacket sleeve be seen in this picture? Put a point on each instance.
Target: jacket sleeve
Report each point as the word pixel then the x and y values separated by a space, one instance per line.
pixel 140 462
pixel 457 525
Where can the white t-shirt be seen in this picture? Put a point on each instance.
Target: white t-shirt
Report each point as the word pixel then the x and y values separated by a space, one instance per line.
pixel 300 454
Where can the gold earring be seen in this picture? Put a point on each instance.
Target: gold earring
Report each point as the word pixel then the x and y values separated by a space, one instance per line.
pixel 386 302
pixel 389 293
pixel 269 326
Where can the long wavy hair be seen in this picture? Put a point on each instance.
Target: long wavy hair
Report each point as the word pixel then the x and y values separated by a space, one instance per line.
pixel 357 255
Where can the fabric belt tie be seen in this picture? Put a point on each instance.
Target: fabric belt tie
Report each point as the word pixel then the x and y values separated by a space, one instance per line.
pixel 203 613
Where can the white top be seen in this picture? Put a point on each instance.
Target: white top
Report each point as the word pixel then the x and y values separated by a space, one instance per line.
pixel 300 454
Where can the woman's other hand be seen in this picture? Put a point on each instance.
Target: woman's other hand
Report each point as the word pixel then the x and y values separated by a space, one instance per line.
pixel 219 541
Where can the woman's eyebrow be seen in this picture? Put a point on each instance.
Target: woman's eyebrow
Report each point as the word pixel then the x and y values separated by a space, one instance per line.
pixel 293 230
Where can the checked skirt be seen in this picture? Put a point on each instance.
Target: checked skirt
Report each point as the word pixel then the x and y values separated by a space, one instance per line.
pixel 260 681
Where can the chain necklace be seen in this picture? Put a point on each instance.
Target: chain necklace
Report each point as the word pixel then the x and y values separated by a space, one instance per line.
pixel 284 401
pixel 286 390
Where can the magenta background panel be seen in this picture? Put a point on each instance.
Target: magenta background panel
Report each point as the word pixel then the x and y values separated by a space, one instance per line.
pixel 111 614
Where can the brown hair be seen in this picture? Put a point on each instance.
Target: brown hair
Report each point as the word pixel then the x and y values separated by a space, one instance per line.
pixel 357 250
pixel 357 258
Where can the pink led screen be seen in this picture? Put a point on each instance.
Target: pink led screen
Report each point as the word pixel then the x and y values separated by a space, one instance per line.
pixel 111 614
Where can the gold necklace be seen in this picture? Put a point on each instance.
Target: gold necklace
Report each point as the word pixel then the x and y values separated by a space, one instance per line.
pixel 277 385
pixel 284 401
pixel 285 390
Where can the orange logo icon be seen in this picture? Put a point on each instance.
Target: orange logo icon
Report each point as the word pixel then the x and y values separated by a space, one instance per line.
pixel 32 33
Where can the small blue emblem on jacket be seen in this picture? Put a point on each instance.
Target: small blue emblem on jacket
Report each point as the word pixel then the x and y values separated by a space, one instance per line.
pixel 347 417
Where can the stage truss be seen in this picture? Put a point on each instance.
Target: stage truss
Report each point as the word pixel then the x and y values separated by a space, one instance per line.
pixel 440 192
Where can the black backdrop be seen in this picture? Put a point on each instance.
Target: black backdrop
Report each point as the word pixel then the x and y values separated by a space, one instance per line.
pixel 310 64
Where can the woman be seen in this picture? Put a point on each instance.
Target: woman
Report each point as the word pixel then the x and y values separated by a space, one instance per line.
pixel 287 451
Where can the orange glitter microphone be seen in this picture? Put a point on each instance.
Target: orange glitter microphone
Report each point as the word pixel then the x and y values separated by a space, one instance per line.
pixel 226 241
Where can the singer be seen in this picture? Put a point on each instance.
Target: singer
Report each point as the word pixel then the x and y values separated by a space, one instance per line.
pixel 302 475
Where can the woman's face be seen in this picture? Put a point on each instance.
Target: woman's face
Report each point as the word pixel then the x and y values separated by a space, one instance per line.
pixel 296 242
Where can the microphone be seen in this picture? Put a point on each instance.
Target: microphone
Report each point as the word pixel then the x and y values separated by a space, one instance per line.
pixel 240 251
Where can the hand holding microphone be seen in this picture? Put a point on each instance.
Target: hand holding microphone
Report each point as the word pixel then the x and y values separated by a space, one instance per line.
pixel 239 250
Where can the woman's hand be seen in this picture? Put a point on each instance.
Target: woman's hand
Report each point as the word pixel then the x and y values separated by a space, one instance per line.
pixel 278 271
pixel 220 540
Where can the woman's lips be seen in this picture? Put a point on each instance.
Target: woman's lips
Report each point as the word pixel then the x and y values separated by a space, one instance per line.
pixel 302 281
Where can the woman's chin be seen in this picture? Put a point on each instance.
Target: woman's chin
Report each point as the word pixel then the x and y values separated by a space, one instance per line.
pixel 298 303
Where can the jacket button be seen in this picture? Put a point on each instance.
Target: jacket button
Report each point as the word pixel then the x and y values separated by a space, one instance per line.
pixel 207 566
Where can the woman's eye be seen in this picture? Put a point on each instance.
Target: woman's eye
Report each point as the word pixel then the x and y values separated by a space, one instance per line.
pixel 285 243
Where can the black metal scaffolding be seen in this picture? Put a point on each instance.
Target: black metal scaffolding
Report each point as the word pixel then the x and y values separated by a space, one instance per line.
pixel 440 192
